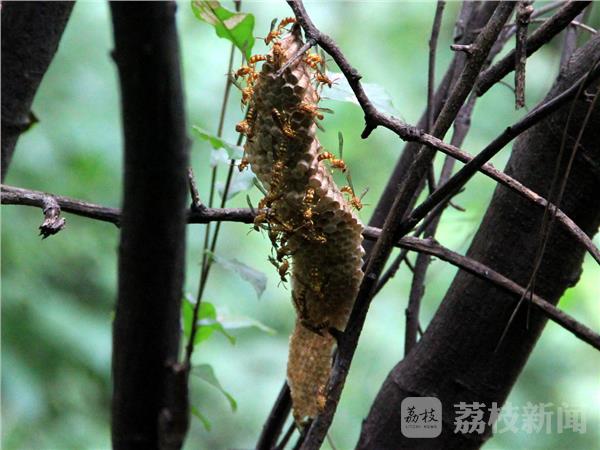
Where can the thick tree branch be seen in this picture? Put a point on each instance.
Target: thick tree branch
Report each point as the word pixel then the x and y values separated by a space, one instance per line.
pixel 455 359
pixel 429 228
pixel 381 251
pixel 31 32
pixel 538 38
pixel 470 19
pixel 150 405
pixel 276 420
pixel 17 196
pixel 547 107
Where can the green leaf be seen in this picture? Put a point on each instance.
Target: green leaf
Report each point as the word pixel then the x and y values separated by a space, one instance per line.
pixel 257 279
pixel 207 322
pixel 205 422
pixel 341 91
pixel 234 26
pixel 187 311
pixel 205 372
pixel 240 182
pixel 233 151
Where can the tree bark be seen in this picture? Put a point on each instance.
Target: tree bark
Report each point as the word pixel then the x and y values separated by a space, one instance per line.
pixel 31 32
pixel 149 409
pixel 455 361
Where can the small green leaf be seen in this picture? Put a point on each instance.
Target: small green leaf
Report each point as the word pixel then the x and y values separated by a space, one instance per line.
pixel 257 279
pixel 205 422
pixel 187 311
pixel 240 182
pixel 207 322
pixel 206 373
pixel 233 151
pixel 341 91
pixel 234 26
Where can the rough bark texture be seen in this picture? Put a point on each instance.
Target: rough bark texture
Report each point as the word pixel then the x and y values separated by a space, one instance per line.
pixel 31 32
pixel 149 389
pixel 455 360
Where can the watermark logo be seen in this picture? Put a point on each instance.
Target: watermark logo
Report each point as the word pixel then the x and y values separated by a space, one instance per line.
pixel 531 418
pixel 421 417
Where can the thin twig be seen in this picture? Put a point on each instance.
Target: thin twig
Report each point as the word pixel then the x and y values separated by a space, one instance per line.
pixel 274 423
pixel 462 48
pixel 391 228
pixel 417 290
pixel 538 38
pixel 524 11
pixel 429 227
pixel 484 272
pixel 206 261
pixel 196 202
pixel 548 218
pixel 17 196
pixel 286 437
pixel 462 176
pixel 433 40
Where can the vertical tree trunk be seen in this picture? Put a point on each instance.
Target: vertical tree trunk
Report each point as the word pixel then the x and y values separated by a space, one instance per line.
pixel 455 361
pixel 31 32
pixel 151 254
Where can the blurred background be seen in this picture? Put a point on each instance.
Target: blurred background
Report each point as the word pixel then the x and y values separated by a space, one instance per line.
pixel 58 294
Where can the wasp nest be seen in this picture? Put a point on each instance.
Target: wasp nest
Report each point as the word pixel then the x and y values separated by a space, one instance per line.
pixel 313 229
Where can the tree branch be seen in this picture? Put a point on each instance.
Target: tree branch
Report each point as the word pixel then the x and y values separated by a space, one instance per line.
pixel 524 11
pixel 431 247
pixel 31 32
pixel 543 110
pixel 381 251
pixel 538 38
pixel 455 359
pixel 470 19
pixel 276 420
pixel 17 196
pixel 150 404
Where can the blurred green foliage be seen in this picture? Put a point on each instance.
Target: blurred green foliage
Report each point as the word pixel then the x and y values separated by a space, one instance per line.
pixel 58 294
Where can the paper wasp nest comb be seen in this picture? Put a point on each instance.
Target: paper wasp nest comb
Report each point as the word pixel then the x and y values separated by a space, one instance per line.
pixel 310 222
